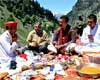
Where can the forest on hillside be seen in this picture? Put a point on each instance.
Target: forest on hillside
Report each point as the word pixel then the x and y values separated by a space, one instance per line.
pixel 25 9
pixel 26 13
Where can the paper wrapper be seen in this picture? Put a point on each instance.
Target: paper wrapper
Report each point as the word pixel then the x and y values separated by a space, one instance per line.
pixel 52 48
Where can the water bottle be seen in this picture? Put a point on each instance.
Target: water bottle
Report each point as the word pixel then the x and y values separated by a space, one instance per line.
pixel 13 64
pixel 51 75
pixel 33 66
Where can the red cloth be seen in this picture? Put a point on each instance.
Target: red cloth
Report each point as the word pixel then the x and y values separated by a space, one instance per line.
pixel 62 39
pixel 10 24
pixel 23 56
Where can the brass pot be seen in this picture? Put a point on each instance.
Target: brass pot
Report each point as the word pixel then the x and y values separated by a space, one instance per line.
pixel 86 74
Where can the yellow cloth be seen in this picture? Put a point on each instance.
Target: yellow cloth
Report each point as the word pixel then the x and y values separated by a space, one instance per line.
pixel 34 40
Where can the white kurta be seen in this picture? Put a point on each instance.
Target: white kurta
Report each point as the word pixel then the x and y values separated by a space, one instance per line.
pixel 6 48
pixel 86 32
pixel 95 46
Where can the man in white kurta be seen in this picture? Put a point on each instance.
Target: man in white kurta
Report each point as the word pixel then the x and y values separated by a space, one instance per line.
pixel 90 37
pixel 7 47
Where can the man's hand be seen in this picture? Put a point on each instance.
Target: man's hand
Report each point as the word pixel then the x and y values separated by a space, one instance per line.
pixel 58 46
pixel 91 38
pixel 18 52
pixel 54 43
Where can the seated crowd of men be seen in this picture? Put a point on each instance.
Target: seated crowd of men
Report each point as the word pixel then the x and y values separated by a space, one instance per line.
pixel 38 40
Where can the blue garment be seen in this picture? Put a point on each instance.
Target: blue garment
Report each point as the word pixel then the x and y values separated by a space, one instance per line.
pixel 94 30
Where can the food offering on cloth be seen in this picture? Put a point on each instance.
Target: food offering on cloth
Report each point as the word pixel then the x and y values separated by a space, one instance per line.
pixel 3 75
pixel 90 52
pixel 91 70
pixel 63 59
pixel 38 77
pixel 38 66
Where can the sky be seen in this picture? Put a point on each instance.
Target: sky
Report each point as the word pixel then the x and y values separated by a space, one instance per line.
pixel 58 6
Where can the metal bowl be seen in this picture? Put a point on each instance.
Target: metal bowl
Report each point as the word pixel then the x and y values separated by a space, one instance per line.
pixel 91 75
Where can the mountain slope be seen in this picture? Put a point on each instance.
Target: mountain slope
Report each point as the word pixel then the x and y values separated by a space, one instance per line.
pixel 84 8
pixel 26 13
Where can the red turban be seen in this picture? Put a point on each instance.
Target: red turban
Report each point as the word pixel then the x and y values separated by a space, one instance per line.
pixel 10 24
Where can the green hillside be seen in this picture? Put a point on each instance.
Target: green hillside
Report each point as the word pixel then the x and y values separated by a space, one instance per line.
pixel 26 13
